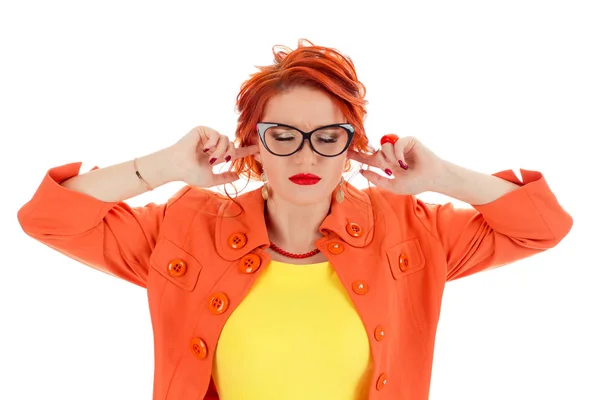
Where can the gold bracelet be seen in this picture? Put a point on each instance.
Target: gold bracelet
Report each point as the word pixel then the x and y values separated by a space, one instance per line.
pixel 140 175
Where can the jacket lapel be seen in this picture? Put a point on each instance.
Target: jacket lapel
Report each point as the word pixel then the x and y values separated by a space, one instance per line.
pixel 351 221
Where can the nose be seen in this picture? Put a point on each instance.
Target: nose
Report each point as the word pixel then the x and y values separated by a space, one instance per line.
pixel 306 155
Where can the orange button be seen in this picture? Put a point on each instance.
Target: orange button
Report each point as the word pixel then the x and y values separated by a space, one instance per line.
pixel 199 348
pixel 403 261
pixel 250 263
pixel 335 248
pixel 360 287
pixel 354 230
pixel 381 382
pixel 177 267
pixel 379 333
pixel 218 303
pixel 237 240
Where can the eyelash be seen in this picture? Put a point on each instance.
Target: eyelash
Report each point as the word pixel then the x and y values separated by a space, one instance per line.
pixel 287 139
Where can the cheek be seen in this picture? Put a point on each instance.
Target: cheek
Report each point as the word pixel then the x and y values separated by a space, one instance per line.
pixel 340 163
pixel 335 170
pixel 272 164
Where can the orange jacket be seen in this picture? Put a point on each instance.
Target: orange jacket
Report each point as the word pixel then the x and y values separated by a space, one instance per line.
pixel 197 264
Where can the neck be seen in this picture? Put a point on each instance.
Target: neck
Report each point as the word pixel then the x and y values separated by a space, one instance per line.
pixel 295 227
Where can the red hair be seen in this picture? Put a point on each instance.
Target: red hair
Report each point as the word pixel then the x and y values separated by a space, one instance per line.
pixel 309 65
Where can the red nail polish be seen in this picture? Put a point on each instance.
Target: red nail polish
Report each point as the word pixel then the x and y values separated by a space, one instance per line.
pixel 402 164
pixel 207 149
pixel 388 171
pixel 212 160
pixel 227 158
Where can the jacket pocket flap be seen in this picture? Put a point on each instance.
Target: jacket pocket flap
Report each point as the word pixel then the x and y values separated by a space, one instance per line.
pixel 175 264
pixel 405 258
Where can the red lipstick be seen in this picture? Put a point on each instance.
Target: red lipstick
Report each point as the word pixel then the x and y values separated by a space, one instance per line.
pixel 305 179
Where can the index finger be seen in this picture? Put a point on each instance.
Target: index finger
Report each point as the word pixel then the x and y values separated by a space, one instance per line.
pixel 245 151
pixel 369 159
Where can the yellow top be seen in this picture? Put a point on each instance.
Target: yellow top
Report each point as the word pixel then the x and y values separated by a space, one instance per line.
pixel 296 335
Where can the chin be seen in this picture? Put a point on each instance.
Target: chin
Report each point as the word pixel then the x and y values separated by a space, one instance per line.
pixel 306 198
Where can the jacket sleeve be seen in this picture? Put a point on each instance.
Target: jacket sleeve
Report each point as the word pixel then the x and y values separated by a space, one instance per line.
pixel 517 225
pixel 109 236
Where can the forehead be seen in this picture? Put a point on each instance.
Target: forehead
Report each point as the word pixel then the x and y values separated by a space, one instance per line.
pixel 304 108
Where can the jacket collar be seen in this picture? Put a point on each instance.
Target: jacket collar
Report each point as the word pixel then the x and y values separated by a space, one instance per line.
pixel 355 209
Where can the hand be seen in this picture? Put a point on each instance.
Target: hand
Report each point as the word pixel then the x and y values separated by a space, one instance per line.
pixel 424 168
pixel 193 154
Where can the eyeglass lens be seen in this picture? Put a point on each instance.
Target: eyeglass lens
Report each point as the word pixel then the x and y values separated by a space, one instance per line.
pixel 328 141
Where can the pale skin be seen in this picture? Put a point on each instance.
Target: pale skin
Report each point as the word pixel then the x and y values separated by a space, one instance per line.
pixel 294 212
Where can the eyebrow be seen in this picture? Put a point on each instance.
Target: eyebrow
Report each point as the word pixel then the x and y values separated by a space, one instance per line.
pixel 309 130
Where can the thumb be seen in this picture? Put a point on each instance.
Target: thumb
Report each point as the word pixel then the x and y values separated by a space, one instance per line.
pixel 225 177
pixel 377 179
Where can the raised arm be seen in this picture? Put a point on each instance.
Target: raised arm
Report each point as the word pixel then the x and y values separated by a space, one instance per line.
pixel 510 220
pixel 84 216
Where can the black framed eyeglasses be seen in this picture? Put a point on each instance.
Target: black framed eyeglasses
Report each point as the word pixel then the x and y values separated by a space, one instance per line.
pixel 284 140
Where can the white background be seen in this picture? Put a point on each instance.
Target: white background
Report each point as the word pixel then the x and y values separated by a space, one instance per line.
pixel 487 85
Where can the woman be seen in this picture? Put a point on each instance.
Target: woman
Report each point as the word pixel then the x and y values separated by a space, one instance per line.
pixel 306 287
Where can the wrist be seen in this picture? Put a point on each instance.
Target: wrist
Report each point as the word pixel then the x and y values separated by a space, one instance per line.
pixel 158 168
pixel 441 175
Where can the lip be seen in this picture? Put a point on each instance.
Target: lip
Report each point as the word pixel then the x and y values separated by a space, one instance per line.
pixel 304 176
pixel 305 179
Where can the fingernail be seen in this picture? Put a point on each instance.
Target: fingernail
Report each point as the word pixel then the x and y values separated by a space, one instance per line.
pixel 388 171
pixel 227 158
pixel 402 164
pixel 212 160
pixel 206 149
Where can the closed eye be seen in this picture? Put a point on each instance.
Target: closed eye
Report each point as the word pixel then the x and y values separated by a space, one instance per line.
pixel 327 140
